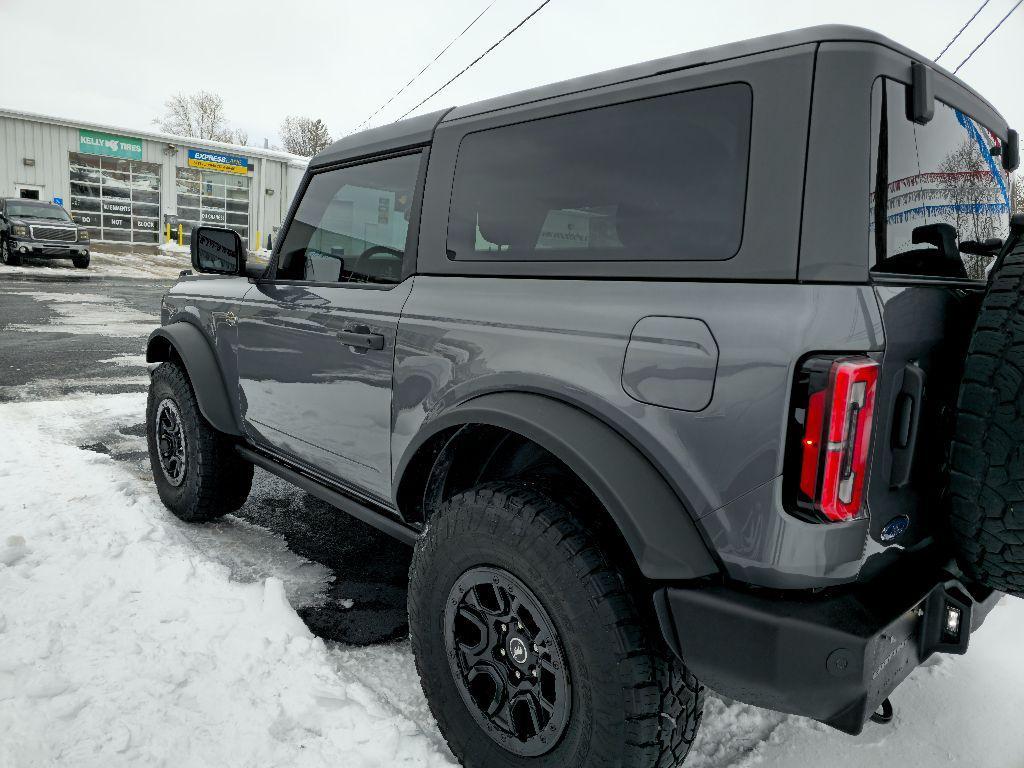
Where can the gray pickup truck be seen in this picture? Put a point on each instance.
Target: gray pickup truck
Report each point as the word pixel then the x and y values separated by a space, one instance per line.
pixel 704 371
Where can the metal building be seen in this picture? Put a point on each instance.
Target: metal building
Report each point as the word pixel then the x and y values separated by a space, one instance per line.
pixel 135 187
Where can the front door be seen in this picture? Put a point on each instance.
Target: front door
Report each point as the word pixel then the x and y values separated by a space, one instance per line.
pixel 317 340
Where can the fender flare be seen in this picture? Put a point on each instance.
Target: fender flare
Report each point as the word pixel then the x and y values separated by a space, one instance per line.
pixel 203 371
pixel 651 517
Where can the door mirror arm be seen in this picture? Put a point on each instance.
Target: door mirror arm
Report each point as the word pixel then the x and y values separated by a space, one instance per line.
pixel 253 271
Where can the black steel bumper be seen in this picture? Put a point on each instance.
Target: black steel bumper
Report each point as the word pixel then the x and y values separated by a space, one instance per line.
pixel 56 249
pixel 835 658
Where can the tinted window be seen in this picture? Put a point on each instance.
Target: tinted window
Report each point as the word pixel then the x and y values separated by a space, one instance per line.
pixel 937 184
pixel 352 224
pixel 658 179
pixel 15 209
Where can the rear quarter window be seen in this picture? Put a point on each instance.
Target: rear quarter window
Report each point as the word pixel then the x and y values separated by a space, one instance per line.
pixel 941 173
pixel 662 178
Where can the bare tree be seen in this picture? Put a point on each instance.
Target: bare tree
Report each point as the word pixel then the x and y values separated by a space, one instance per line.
pixel 199 115
pixel 304 136
pixel 967 188
pixel 1017 195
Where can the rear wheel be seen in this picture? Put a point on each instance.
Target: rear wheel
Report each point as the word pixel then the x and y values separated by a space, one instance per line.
pixel 532 644
pixel 987 459
pixel 198 474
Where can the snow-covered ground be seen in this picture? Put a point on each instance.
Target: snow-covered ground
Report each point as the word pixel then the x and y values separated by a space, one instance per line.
pixel 129 638
pixel 168 263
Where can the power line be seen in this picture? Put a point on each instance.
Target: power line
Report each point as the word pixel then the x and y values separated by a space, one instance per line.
pixel 965 26
pixel 428 66
pixel 985 39
pixel 478 58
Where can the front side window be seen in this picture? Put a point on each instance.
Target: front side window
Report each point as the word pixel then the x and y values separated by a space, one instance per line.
pixel 935 187
pixel 352 224
pixel 662 178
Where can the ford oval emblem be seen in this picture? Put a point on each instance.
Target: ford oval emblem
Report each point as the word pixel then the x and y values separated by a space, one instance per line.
pixel 895 528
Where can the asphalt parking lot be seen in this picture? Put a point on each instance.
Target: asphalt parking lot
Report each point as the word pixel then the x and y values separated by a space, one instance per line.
pixel 66 335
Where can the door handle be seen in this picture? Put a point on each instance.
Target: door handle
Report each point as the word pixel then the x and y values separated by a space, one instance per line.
pixel 360 337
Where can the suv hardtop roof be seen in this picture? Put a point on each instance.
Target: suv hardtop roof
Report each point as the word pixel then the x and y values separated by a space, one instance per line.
pixel 419 130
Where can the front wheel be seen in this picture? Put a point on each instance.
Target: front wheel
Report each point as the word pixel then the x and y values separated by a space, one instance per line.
pixel 80 262
pixel 534 647
pixel 9 256
pixel 198 474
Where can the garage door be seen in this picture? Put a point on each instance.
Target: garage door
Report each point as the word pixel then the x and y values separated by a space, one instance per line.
pixel 117 199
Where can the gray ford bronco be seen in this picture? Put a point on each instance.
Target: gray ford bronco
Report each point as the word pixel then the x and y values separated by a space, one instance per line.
pixel 707 371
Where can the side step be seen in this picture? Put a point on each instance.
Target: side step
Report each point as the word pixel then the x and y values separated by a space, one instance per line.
pixel 345 503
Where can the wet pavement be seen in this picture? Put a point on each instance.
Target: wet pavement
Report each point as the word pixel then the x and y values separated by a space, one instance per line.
pixel 61 336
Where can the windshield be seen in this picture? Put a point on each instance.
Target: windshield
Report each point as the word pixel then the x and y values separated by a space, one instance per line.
pixel 938 191
pixel 27 210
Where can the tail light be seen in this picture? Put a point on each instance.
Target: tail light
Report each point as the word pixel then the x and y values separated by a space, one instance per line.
pixel 834 402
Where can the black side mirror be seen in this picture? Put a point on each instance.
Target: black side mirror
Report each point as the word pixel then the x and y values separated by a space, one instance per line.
pixel 217 251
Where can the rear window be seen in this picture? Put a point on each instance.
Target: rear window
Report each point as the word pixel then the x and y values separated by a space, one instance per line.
pixel 658 179
pixel 934 187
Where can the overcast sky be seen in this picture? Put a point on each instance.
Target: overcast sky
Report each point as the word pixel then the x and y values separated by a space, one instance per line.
pixel 116 61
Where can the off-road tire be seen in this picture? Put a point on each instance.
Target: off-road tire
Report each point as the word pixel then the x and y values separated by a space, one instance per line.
pixel 9 257
pixel 633 702
pixel 80 262
pixel 987 456
pixel 216 480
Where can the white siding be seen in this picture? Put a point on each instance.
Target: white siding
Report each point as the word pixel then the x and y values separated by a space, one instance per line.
pixel 48 141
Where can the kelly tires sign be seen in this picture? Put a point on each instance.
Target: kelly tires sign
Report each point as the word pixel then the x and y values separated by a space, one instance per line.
pixel 109 145
pixel 215 161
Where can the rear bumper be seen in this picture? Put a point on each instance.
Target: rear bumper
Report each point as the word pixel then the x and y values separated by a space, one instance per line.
pixel 834 659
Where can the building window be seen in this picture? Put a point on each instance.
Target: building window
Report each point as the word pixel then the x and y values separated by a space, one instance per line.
pixel 212 198
pixel 118 200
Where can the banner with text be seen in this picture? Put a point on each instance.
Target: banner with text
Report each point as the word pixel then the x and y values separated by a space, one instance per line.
pixel 215 161
pixel 96 143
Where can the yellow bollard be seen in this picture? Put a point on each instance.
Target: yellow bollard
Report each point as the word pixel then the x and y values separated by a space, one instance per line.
pixel 181 235
pixel 258 246
pixel 167 227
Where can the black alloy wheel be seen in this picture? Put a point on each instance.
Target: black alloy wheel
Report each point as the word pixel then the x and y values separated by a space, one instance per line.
pixel 507 660
pixel 7 256
pixel 171 443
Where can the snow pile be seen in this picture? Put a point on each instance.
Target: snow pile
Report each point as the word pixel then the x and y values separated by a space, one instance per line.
pixel 125 645
pixel 162 265
pixel 129 638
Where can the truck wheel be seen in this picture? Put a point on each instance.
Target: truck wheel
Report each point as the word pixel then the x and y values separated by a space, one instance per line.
pixel 987 458
pixel 531 647
pixel 80 262
pixel 8 256
pixel 198 474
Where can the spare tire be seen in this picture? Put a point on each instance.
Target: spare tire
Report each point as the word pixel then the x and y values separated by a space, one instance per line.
pixel 986 488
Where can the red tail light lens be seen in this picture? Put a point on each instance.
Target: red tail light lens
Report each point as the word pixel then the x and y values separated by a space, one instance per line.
pixel 836 436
